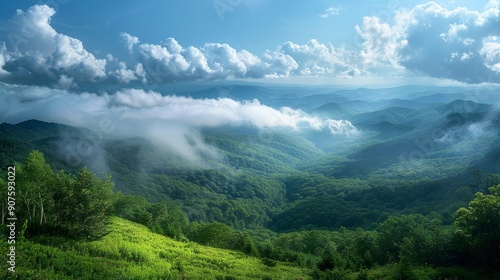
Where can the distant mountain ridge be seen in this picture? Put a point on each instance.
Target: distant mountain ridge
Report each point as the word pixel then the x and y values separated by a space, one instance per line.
pixel 400 143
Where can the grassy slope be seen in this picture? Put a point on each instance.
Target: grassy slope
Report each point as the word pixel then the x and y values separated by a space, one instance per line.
pixel 131 251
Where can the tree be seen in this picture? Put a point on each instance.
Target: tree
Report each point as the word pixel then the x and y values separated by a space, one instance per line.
pixel 362 275
pixel 214 234
pixel 91 202
pixel 133 208
pixel 63 194
pixel 176 223
pixel 407 236
pixel 36 180
pixel 246 244
pixel 77 205
pixel 331 259
pixel 479 227
pixel 159 216
pixel 366 246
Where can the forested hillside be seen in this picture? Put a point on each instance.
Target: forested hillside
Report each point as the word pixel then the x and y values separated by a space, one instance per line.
pixel 231 139
pixel 408 190
pixel 69 224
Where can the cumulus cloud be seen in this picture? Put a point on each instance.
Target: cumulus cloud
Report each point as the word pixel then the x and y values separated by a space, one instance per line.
pixel 380 46
pixel 122 74
pixel 130 40
pixel 170 61
pixel 428 40
pixel 316 59
pixel 3 58
pixel 436 42
pixel 491 53
pixel 37 54
pixel 171 121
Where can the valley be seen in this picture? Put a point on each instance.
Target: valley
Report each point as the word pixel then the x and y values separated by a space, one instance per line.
pixel 356 166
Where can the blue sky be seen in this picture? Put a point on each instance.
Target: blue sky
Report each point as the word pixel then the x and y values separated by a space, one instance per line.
pixel 249 40
pixel 254 25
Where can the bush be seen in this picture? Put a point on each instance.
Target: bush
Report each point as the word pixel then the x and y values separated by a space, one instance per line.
pixel 404 271
pixel 362 275
pixel 269 262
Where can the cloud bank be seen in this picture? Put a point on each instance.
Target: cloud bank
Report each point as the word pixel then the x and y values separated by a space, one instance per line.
pixel 137 105
pixel 428 40
pixel 169 61
pixel 34 53
pixel 172 122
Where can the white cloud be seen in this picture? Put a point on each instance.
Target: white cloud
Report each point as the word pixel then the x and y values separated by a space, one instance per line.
pixel 316 59
pixel 170 61
pixel 216 112
pixel 135 98
pixel 492 4
pixel 428 40
pixel 331 11
pixel 130 40
pixel 491 53
pixel 65 82
pixel 278 64
pixel 38 54
pixel 225 60
pixel 381 44
pixel 3 58
pixel 140 73
pixel 71 58
pixel 123 74
pixel 171 121
pixel 342 127
pixel 434 41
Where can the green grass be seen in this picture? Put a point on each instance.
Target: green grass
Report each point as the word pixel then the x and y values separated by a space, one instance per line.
pixel 132 251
